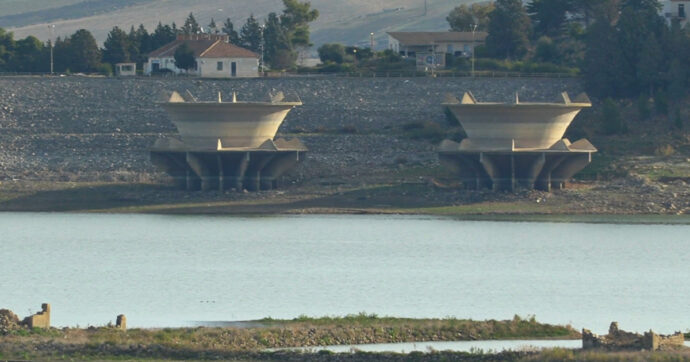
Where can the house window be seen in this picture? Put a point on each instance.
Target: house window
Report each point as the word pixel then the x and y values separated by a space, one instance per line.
pixel 219 66
pixel 681 11
pixel 449 49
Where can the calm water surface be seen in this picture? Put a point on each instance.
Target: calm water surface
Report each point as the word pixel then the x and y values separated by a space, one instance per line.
pixel 179 270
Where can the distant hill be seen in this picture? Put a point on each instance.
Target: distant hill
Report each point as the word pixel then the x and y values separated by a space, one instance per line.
pixel 344 21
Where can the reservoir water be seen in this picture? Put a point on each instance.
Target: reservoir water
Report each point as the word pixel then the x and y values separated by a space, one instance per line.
pixel 187 270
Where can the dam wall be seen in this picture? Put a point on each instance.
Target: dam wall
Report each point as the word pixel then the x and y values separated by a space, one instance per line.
pixel 97 129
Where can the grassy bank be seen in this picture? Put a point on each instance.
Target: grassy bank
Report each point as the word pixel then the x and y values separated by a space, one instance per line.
pixel 229 342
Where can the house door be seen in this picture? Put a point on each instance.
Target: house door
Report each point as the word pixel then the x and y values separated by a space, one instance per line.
pixel 233 69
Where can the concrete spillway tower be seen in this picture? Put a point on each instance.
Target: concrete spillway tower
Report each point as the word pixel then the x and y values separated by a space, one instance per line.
pixel 227 145
pixel 511 145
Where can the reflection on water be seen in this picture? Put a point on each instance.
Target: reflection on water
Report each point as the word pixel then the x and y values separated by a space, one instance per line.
pixel 171 270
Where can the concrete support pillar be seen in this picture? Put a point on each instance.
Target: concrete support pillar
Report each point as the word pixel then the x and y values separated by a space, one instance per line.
pixel 533 170
pixel 241 170
pixel 491 169
pixel 253 177
pixel 568 168
pixel 221 173
pixel 278 166
pixel 512 173
pixel 173 164
pixel 544 180
pixel 202 170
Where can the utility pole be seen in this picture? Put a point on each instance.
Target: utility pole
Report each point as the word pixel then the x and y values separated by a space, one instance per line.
pixel 425 6
pixel 261 63
pixel 474 29
pixel 50 42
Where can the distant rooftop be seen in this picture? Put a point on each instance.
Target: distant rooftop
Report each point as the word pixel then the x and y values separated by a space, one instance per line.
pixel 204 46
pixel 430 37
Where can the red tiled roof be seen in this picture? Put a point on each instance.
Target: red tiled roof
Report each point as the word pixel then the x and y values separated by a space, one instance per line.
pixel 204 48
pixel 429 37
pixel 222 49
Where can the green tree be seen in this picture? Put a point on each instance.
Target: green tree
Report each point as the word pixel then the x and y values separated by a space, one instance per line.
pixel 295 21
pixel 191 26
pixel 184 57
pixel 141 44
pixel 676 83
pixel 83 52
pixel 212 27
pixel 549 16
pixel 639 23
pixel 332 53
pixel 116 47
pixel 277 47
pixel 546 51
pixel 30 56
pixel 250 34
pixel 612 122
pixel 229 29
pixel 649 68
pixel 509 29
pixel 7 45
pixel 463 17
pixel 163 34
pixel 603 59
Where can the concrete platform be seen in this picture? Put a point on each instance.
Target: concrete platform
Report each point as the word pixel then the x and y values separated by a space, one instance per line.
pixel 510 169
pixel 222 169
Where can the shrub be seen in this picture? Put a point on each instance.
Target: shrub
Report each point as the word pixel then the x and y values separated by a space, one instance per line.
pixel 665 151
pixel 643 108
pixel 330 67
pixel 332 53
pixel 677 120
pixel 546 50
pixel 105 69
pixel 612 121
pixel 430 131
pixel 661 103
pixel 349 129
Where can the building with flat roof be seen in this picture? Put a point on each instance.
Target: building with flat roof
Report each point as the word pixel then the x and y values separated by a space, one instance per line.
pixel 429 48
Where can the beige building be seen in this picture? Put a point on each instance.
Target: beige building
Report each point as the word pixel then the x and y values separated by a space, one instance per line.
pixel 215 57
pixel 676 9
pixel 430 48
pixel 126 69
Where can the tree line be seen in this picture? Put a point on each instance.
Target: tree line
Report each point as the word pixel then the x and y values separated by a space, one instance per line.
pixel 624 48
pixel 283 36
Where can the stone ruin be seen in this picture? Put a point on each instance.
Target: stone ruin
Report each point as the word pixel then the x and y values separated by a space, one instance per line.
pixel 121 322
pixel 10 322
pixel 40 319
pixel 621 340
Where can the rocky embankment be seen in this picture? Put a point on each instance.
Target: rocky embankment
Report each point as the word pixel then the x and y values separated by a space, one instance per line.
pixel 95 130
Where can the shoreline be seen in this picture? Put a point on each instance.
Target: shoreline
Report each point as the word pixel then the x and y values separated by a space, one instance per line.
pixel 585 202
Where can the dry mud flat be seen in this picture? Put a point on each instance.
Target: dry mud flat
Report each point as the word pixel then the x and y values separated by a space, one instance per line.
pixel 80 133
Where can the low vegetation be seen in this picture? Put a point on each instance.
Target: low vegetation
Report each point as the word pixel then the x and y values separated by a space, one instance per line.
pixel 108 342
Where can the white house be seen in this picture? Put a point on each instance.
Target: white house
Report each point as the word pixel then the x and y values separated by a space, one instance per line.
pixel 430 47
pixel 676 9
pixel 215 57
pixel 126 69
